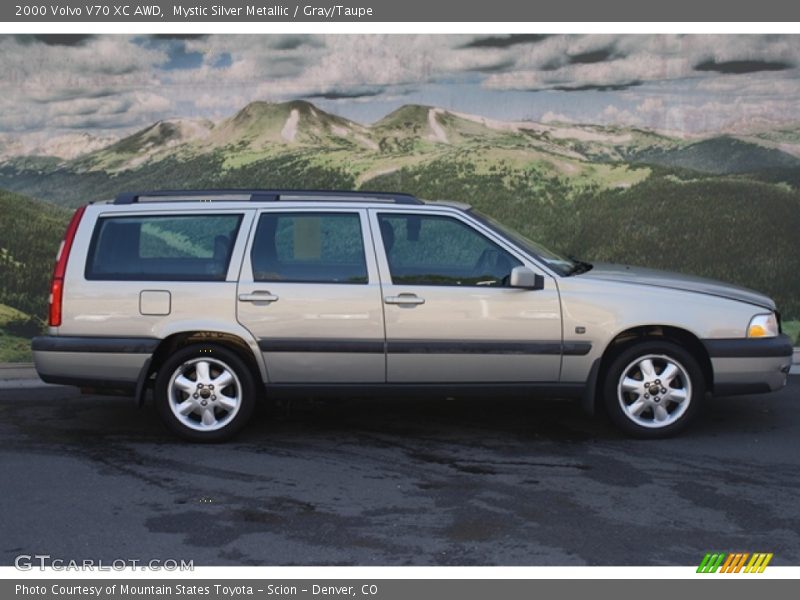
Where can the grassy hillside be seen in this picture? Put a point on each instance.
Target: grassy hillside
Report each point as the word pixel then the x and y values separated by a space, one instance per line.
pixel 792 329
pixel 720 155
pixel 30 232
pixel 724 207
pixel 13 347
pixel 740 231
pixel 733 229
pixel 728 227
pixel 71 189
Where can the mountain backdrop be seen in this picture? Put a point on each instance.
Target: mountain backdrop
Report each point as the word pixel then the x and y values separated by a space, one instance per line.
pixel 725 206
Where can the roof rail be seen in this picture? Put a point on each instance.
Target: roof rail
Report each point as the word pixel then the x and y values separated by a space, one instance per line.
pixel 261 196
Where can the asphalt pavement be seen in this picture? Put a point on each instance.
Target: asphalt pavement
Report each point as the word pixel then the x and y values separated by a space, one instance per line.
pixel 397 482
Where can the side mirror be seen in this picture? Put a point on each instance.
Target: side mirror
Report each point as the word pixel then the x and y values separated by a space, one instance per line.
pixel 525 278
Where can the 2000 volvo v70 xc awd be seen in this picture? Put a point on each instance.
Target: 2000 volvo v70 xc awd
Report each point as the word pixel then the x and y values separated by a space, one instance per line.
pixel 215 298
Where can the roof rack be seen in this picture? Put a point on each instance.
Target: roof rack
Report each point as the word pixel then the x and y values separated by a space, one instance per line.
pixel 261 196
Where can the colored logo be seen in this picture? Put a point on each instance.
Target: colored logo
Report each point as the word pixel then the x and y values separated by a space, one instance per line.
pixel 714 562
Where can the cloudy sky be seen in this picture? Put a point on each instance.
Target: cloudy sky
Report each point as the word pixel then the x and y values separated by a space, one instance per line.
pixel 51 84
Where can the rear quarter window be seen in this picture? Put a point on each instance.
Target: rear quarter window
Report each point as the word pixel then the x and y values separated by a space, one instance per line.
pixel 162 247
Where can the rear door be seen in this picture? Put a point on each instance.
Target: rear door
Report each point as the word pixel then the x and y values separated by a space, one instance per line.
pixel 450 315
pixel 310 294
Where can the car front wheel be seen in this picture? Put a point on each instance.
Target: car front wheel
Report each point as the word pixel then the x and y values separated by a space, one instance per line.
pixel 205 393
pixel 653 389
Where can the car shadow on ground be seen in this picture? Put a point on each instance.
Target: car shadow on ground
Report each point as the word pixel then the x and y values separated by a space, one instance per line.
pixel 558 420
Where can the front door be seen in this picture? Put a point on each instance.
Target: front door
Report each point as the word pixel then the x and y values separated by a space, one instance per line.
pixel 450 315
pixel 311 296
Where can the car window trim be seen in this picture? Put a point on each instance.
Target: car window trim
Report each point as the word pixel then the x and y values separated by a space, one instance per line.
pixel 490 235
pixel 104 216
pixel 247 275
pixel 528 259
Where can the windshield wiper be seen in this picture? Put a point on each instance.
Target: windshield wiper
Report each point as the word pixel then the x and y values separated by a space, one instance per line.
pixel 580 266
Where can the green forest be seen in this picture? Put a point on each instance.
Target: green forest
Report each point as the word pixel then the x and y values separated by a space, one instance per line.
pixel 29 237
pixel 733 229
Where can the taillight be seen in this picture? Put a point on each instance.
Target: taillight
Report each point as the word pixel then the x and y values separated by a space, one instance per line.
pixel 57 285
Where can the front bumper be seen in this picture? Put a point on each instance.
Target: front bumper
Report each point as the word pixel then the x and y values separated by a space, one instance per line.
pixel 749 366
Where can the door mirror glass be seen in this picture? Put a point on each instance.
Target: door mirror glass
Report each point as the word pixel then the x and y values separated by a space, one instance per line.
pixel 525 278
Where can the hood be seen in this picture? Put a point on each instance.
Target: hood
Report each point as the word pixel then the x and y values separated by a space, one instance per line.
pixel 676 281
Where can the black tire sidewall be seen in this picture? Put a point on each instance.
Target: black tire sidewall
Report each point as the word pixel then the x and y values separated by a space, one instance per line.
pixel 627 356
pixel 234 362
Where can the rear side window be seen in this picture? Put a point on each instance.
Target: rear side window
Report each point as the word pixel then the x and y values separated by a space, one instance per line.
pixel 309 248
pixel 162 247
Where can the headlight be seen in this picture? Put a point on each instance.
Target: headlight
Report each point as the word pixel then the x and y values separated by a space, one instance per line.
pixel 762 326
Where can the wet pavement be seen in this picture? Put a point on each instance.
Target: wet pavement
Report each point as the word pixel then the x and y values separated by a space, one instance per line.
pixel 398 482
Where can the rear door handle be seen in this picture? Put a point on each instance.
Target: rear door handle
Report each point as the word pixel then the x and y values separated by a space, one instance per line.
pixel 260 296
pixel 406 299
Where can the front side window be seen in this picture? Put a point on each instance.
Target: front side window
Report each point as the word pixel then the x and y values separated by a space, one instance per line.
pixel 309 248
pixel 560 264
pixel 162 247
pixel 438 250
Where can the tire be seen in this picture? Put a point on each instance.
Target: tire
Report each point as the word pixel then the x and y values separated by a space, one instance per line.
pixel 205 393
pixel 653 389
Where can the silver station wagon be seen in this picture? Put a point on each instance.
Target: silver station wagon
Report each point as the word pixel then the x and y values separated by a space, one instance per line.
pixel 215 299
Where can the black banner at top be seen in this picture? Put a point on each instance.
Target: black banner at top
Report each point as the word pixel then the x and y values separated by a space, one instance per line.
pixel 349 11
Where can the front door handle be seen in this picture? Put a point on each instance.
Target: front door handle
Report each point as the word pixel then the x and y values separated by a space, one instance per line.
pixel 405 299
pixel 258 296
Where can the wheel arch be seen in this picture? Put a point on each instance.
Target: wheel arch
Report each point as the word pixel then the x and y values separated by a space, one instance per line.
pixel 176 341
pixel 641 333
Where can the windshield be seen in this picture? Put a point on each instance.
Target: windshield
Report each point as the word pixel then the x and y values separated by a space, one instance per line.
pixel 559 264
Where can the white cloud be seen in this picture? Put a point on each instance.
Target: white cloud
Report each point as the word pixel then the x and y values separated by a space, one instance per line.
pixel 612 114
pixel 219 103
pixel 115 81
pixel 622 59
pixel 713 115
pixel 650 104
pixel 554 117
pixel 107 64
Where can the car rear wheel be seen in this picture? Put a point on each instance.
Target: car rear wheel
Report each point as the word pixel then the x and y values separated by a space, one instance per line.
pixel 205 393
pixel 653 389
